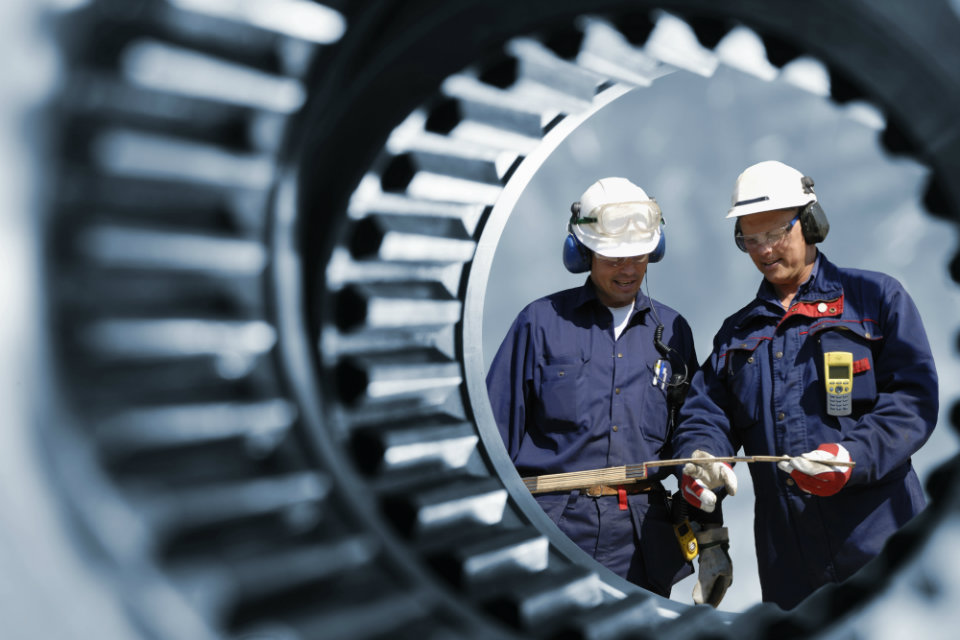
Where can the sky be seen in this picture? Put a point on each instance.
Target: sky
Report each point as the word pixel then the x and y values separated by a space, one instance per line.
pixel 684 140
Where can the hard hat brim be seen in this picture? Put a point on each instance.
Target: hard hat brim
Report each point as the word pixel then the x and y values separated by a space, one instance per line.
pixel 614 248
pixel 766 205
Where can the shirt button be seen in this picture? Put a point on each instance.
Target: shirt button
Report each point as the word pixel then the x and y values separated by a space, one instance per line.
pixel 615 428
pixel 617 390
pixel 790 482
pixel 866 335
pixel 619 355
pixel 822 307
pixel 781 415
pixel 750 359
pixel 779 354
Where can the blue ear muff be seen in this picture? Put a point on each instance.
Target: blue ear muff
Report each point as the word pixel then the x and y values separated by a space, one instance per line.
pixel 576 257
pixel 657 254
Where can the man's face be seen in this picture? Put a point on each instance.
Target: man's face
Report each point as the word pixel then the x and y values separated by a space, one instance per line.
pixel 787 262
pixel 618 280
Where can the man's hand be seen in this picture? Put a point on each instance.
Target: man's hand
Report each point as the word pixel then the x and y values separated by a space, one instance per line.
pixel 813 472
pixel 716 569
pixel 700 478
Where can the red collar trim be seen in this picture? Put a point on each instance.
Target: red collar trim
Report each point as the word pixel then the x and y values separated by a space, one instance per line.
pixel 815 309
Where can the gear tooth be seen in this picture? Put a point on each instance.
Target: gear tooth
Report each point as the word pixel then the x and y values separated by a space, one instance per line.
pixel 145 429
pixel 607 51
pixel 401 305
pixel 131 153
pixel 408 238
pixel 674 42
pixel 503 115
pixel 357 608
pixel 534 602
pixel 454 160
pixel 296 499
pixel 239 578
pixel 425 508
pixel 112 246
pixel 634 616
pixel 485 558
pixel 161 66
pixel 132 339
pixel 541 66
pixel 432 440
pixel 422 375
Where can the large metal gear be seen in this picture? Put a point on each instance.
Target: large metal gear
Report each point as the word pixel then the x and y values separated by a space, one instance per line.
pixel 267 231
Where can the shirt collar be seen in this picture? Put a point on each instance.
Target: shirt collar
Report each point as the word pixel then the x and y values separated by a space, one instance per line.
pixel 822 285
pixel 588 295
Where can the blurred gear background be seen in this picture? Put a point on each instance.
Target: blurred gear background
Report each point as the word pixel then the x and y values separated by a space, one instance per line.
pixel 246 247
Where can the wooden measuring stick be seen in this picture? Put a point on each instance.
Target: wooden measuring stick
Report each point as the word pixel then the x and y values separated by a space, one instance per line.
pixel 628 474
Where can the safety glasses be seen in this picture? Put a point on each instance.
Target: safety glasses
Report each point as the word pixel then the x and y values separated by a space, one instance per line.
pixel 613 219
pixel 616 263
pixel 765 238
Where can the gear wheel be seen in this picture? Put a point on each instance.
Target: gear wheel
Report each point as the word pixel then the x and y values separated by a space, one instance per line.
pixel 267 243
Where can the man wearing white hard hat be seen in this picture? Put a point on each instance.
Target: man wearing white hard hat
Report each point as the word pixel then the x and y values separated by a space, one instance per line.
pixel 829 368
pixel 582 381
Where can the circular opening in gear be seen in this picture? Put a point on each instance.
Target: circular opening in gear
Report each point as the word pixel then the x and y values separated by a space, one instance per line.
pixel 684 140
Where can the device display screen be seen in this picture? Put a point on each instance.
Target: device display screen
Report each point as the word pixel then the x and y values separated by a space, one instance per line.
pixel 838 372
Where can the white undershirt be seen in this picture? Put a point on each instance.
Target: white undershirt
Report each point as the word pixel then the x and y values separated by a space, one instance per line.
pixel 621 316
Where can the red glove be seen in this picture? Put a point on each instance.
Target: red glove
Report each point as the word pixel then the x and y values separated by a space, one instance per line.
pixel 700 478
pixel 813 472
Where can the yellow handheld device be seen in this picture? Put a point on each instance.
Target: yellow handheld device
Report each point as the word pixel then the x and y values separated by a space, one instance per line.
pixel 687 539
pixel 838 374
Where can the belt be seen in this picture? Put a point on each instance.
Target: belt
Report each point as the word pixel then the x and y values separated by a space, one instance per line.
pixel 597 490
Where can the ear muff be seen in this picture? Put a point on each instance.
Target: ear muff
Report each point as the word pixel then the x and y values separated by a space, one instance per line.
pixel 813 223
pixel 661 249
pixel 578 259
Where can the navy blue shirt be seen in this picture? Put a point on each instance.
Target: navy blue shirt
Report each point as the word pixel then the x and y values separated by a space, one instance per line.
pixel 568 396
pixel 762 389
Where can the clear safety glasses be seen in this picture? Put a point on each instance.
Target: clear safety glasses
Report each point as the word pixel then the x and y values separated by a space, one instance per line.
pixel 764 238
pixel 616 263
pixel 613 219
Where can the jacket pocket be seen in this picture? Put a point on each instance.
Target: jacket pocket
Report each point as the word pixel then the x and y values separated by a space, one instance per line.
pixel 560 395
pixel 654 417
pixel 740 367
pixel 864 393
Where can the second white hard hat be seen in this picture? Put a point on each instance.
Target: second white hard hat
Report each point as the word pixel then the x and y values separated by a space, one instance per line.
pixel 617 219
pixel 769 186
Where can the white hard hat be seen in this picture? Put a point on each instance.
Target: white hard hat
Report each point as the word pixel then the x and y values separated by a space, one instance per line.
pixel 769 186
pixel 617 219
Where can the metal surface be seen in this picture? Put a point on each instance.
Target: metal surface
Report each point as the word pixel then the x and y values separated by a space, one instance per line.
pixel 266 237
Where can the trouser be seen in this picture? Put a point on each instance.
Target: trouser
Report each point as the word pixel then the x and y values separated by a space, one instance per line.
pixel 637 543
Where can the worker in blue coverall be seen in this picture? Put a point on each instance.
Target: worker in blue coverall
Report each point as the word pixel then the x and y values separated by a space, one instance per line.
pixel 582 379
pixel 778 382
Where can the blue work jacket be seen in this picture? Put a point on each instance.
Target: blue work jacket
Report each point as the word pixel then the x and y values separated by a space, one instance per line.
pixel 762 388
pixel 568 396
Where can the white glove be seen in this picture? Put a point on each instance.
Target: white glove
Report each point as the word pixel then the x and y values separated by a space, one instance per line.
pixel 813 472
pixel 700 478
pixel 716 568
